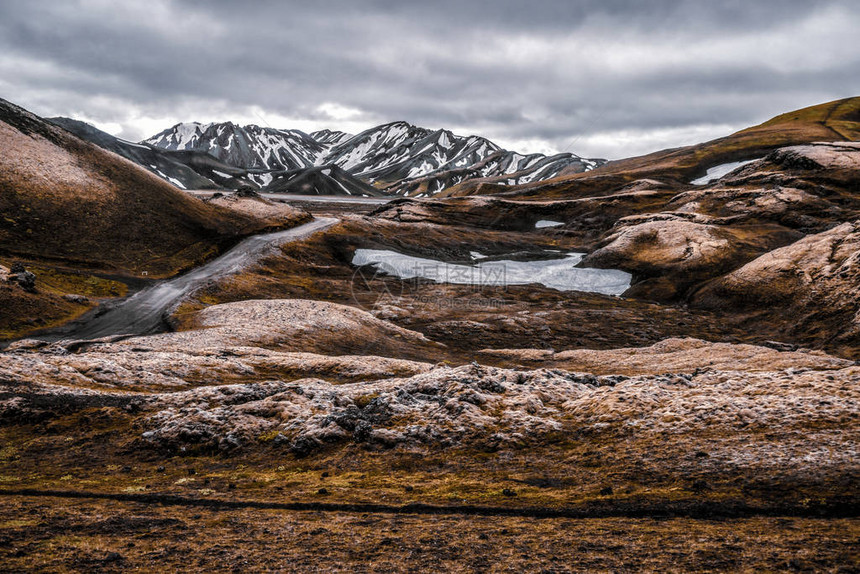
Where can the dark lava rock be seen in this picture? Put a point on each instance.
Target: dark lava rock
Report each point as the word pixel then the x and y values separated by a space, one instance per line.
pixel 113 557
pixel 246 191
pixel 303 446
pixel 606 491
pixel 25 279
pixel 780 346
pixel 509 492
pixel 322 491
pixel 362 431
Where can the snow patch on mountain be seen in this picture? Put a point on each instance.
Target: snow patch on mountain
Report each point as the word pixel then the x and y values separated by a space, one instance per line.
pixel 398 157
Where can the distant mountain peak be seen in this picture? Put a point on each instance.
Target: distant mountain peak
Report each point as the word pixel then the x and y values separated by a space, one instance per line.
pixel 397 156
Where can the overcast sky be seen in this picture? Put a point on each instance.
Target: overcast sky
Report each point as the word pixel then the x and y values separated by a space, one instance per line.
pixel 601 78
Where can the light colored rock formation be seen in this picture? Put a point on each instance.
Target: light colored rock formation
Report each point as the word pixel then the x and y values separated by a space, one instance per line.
pixel 492 408
pixel 673 356
pixel 817 279
pixel 139 367
pixel 222 386
pixel 258 207
pixel 242 341
pixel 687 247
pixel 791 421
pixel 289 324
pixel 787 205
pixel 820 155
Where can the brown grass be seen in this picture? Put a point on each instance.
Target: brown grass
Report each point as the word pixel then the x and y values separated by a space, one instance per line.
pixel 81 535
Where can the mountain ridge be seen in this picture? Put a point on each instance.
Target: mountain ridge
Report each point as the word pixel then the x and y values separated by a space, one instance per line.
pixel 397 157
pixel 830 121
pixel 190 169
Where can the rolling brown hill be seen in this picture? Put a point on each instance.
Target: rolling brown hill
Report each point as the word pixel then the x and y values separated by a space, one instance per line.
pixel 80 217
pixel 833 121
pixel 64 199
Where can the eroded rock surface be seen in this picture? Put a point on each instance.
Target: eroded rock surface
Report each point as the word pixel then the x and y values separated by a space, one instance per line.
pixel 230 385
pixel 815 280
pixel 682 249
pixel 788 421
pixel 675 356
pixel 260 208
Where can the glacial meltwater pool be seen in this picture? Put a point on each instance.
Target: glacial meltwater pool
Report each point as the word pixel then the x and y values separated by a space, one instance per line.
pixel 561 274
pixel 719 171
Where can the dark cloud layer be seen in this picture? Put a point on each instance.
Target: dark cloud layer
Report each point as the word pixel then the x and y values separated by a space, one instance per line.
pixel 609 78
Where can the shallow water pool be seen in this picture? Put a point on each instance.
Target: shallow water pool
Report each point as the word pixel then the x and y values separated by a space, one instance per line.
pixel 561 274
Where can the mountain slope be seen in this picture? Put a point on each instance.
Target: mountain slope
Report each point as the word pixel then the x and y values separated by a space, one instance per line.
pixel 330 137
pixel 66 199
pixel 192 169
pixel 409 160
pixel 250 147
pixel 184 169
pixel 398 157
pixel 321 180
pixel 831 121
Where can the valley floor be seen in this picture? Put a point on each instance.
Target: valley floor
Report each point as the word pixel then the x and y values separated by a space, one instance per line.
pixel 300 411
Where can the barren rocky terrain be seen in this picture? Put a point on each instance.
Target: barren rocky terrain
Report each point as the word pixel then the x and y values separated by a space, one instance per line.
pixel 301 405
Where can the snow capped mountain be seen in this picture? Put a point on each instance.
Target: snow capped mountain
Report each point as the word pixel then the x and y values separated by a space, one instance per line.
pixel 398 158
pixel 400 151
pixel 330 137
pixel 250 147
pixel 186 169
pixel 408 160
pixel 189 168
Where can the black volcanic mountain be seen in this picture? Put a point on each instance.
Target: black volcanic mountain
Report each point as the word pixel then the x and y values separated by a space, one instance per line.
pixel 250 147
pixel 196 169
pixel 321 180
pixel 399 158
pixel 184 169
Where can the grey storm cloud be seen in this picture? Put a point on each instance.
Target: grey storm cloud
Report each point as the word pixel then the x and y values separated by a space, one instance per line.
pixel 601 78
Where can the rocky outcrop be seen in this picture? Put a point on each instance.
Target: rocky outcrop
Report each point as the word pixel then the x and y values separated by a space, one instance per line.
pixel 675 356
pixel 234 342
pixel 788 206
pixel 252 204
pixel 293 325
pixel 815 156
pixel 138 366
pixel 19 275
pixel 679 250
pixel 243 379
pixel 488 408
pixel 815 280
